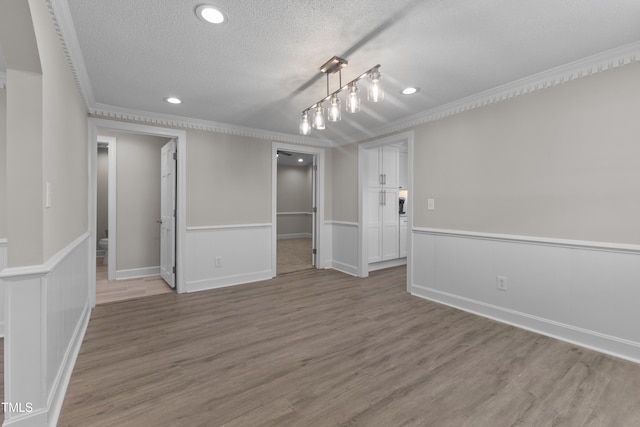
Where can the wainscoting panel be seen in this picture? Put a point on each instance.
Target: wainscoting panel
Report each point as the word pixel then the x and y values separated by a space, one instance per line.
pixel 345 247
pixel 221 256
pixel 582 292
pixel 48 309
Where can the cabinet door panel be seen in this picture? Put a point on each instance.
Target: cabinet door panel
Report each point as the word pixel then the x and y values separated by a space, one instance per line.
pixel 390 166
pixel 373 168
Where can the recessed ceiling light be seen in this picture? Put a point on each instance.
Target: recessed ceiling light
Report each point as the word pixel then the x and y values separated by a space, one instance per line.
pixel 300 160
pixel 210 14
pixel 173 100
pixel 409 90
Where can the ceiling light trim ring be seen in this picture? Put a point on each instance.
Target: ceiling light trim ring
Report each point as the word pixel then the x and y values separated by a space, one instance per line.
pixel 219 17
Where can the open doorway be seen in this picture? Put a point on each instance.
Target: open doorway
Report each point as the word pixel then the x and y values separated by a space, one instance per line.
pixel 385 203
pixel 295 211
pixel 297 202
pixel 171 221
pixel 132 221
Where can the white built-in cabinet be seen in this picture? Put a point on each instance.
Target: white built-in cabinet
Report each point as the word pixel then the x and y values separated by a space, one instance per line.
pixel 383 218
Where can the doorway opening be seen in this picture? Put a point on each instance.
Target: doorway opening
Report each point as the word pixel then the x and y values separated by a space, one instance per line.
pixel 145 226
pixel 298 196
pixel 132 224
pixel 385 205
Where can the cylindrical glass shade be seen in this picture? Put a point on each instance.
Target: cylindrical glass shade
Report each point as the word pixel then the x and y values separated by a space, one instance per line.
pixel 353 98
pixel 375 92
pixel 318 118
pixel 305 124
pixel 334 114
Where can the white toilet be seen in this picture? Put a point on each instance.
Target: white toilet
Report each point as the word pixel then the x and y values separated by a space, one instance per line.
pixel 104 244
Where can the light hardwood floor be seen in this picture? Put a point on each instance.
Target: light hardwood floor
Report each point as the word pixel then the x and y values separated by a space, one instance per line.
pixel 320 348
pixel 121 290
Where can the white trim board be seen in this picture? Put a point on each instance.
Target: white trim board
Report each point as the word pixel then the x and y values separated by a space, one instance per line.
pixel 569 290
pixel 135 273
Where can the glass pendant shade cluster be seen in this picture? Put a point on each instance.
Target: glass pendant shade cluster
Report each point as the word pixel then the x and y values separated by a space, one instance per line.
pixel 313 117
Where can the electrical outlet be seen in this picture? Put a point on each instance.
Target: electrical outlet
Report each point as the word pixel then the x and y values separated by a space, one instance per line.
pixel 218 261
pixel 431 204
pixel 501 283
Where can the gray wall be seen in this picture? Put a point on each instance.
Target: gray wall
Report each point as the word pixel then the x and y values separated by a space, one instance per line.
pixel 46 143
pixel 294 195
pixel 228 179
pixel 137 199
pixel 102 211
pixel 344 183
pixel 563 162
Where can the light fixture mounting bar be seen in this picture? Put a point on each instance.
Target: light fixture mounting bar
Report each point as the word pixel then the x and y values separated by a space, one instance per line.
pixel 333 65
pixel 342 87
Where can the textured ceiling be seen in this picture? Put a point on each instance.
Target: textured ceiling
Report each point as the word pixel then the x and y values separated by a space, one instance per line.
pixel 260 69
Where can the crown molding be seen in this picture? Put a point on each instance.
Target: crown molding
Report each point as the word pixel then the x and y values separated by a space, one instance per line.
pixel 598 63
pixel 63 24
pixel 61 16
pixel 166 120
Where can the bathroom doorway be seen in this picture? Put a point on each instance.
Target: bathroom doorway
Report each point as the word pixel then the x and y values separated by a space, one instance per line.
pixel 128 222
pixel 298 200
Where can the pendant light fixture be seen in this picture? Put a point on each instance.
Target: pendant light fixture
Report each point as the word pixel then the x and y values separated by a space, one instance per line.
pixel 305 124
pixel 334 114
pixel 375 92
pixel 318 117
pixel 352 104
pixel 353 98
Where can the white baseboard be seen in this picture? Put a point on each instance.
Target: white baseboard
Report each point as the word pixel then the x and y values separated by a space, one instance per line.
pixel 222 282
pixel 374 266
pixel 134 273
pixel 584 293
pixel 294 236
pixel 345 268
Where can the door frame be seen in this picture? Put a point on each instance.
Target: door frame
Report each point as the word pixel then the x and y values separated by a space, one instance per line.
pixel 181 187
pixel 363 260
pixel 319 217
pixel 111 202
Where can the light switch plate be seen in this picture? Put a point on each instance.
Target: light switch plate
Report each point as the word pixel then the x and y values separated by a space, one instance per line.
pixel 431 204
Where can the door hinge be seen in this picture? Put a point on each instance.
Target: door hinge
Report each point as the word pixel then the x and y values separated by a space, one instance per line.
pixel 314 209
pixel 313 251
pixel 175 156
pixel 174 269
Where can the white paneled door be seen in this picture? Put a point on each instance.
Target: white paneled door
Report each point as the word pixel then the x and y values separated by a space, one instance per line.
pixel 168 213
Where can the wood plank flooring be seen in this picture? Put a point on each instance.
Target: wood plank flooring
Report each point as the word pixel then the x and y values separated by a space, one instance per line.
pixel 320 348
pixel 120 290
